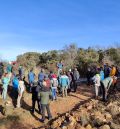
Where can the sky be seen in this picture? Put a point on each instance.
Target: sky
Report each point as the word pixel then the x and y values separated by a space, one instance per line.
pixel 42 25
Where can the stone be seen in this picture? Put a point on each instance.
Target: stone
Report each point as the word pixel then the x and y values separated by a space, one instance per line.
pixel 89 127
pixel 105 127
pixel 54 125
pixel 114 126
pixel 84 120
pixel 108 116
pixel 64 127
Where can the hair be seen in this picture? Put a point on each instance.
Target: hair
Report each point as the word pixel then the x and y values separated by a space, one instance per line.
pixel 31 70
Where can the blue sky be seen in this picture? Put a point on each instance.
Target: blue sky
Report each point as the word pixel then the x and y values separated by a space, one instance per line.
pixel 42 25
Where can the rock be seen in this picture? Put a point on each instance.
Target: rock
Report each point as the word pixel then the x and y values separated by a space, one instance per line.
pixel 105 127
pixel 98 118
pixel 64 127
pixel 82 128
pixel 54 125
pixel 89 127
pixel 108 116
pixel 114 126
pixel 113 108
pixel 84 120
pixel 78 126
pixel 89 107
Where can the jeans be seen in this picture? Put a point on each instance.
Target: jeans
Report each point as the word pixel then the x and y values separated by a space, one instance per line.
pixel 54 94
pixel 104 92
pixel 4 92
pixel 64 91
pixel 43 107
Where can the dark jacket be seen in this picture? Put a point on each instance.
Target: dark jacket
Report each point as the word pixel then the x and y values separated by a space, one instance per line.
pixel 35 90
pixel 76 75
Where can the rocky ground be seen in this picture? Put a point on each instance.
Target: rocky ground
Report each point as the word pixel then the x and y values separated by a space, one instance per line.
pixel 91 115
pixel 21 118
pixel 77 111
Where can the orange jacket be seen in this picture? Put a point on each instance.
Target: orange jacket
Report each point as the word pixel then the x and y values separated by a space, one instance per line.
pixel 113 71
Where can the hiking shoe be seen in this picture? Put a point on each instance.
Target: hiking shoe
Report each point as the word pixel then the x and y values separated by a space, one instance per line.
pixel 42 120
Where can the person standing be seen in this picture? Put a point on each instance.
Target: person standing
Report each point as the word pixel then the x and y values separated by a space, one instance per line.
pixel 70 76
pixel 5 82
pixel 64 83
pixel 60 67
pixel 9 69
pixel 106 70
pixel 21 89
pixel 89 76
pixel 96 80
pixel 41 77
pixel 31 78
pixel 15 83
pixel 113 71
pixel 54 86
pixel 35 97
pixel 21 72
pixel 76 77
pixel 1 69
pixel 45 95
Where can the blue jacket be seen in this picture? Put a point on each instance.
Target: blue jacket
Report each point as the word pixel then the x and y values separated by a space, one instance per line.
pixel 9 68
pixel 15 83
pixel 41 76
pixel 60 65
pixel 101 75
pixel 31 77
pixel 64 81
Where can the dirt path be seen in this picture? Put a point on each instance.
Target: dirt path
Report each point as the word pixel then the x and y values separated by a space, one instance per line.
pixel 23 119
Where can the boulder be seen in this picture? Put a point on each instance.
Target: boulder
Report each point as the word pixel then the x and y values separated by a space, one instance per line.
pixel 105 127
pixel 89 127
pixel 114 126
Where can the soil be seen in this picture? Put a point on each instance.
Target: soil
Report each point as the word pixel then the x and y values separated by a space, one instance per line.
pixel 21 118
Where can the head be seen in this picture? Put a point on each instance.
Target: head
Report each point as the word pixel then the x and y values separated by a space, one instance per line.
pixel 45 78
pixel 5 74
pixel 31 70
pixel 10 62
pixel 70 70
pixel 113 66
pixel 107 64
pixel 51 72
pixel 42 70
pixel 88 69
pixel 75 69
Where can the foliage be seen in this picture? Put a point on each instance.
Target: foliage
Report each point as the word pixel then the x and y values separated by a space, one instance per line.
pixel 71 56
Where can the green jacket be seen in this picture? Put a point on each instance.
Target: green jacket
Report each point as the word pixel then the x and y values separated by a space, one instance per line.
pixel 45 97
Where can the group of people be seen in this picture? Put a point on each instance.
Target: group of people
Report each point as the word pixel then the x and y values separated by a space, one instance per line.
pixel 48 86
pixel 103 79
pixel 43 87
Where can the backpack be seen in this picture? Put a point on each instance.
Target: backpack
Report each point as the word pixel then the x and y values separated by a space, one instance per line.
pixel 54 82
pixel 48 83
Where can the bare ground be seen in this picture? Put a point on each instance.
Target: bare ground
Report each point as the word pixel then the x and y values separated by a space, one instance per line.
pixel 22 118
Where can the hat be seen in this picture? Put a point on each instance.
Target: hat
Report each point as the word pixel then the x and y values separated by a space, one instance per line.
pixel 69 70
pixel 54 76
